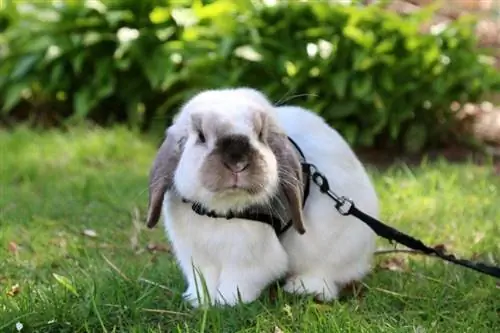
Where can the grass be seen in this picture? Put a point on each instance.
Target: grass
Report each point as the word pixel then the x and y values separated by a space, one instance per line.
pixel 56 186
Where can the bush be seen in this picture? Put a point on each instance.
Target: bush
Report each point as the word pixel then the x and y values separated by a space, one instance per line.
pixel 92 61
pixel 369 72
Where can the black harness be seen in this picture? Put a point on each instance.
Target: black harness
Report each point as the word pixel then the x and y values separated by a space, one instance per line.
pixel 345 207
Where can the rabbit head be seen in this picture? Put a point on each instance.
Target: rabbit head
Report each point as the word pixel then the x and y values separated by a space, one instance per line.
pixel 225 151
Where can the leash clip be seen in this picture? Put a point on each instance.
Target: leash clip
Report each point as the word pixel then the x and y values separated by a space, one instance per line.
pixel 318 178
pixel 344 206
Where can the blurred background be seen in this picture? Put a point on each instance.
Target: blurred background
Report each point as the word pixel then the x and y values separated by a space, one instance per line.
pixel 402 76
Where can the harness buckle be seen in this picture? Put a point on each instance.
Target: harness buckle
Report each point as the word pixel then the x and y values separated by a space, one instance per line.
pixel 344 206
pixel 320 180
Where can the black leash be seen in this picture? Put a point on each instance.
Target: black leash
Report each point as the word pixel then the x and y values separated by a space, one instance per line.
pixel 345 207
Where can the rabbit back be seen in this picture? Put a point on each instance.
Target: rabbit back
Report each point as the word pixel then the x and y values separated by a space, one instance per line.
pixel 336 249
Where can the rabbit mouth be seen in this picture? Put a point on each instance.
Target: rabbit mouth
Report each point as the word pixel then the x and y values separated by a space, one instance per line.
pixel 230 197
pixel 232 191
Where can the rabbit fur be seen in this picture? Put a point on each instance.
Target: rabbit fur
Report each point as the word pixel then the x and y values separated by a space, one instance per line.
pixel 227 261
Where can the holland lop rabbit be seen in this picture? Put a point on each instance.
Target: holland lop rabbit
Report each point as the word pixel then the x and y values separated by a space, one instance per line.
pixel 228 150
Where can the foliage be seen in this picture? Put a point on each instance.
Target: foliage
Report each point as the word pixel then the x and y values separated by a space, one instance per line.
pixel 369 72
pixel 93 60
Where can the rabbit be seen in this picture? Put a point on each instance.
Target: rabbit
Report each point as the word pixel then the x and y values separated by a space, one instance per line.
pixel 228 150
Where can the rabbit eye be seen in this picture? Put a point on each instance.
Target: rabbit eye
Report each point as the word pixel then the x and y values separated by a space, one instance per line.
pixel 201 137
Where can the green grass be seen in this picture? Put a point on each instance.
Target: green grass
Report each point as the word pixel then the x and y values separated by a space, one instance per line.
pixel 56 185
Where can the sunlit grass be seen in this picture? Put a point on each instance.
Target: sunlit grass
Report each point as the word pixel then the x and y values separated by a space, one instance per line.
pixel 55 186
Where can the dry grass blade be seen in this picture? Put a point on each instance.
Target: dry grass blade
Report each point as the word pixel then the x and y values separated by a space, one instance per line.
pixel 394 264
pixel 277 329
pixel 393 293
pixel 156 285
pixel 136 230
pixel 165 311
pixel 116 269
pixel 152 310
pixel 14 290
pixel 390 251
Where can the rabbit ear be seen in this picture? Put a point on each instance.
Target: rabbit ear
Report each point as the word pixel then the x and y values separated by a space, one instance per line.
pixel 290 173
pixel 161 178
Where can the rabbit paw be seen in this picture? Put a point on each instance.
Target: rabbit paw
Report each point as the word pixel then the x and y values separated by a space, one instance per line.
pixel 311 285
pixel 197 298
pixel 231 293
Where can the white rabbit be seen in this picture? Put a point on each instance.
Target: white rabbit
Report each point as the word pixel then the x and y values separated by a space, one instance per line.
pixel 227 152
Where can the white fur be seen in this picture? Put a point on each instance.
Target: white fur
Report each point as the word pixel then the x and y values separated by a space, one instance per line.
pixel 244 256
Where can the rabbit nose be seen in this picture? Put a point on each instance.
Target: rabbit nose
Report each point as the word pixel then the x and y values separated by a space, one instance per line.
pixel 235 151
pixel 237 167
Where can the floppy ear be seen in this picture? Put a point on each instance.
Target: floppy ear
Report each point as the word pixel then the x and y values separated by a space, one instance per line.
pixel 290 174
pixel 161 177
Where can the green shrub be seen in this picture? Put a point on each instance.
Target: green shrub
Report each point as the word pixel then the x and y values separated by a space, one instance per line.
pixel 369 72
pixel 104 62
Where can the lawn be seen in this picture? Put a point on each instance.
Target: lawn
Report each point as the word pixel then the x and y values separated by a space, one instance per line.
pixel 76 257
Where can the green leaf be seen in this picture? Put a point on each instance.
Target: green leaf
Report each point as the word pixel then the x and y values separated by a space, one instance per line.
pixel 382 115
pixel 66 283
pixel 387 81
pixel 217 9
pixel 165 33
pixel 363 38
pixel 378 101
pixel 394 128
pixel 104 80
pixel 115 17
pixel 155 67
pixel 431 56
pixel 343 109
pixel 123 64
pixel 362 87
pixel 159 15
pixel 350 132
pixel 412 43
pixel 56 76
pixel 24 65
pixel 353 33
pixel 133 111
pixel 339 83
pixel 13 95
pixel 415 138
pixel 83 102
pixel 366 138
pixel 385 46
pixel 106 88
pixel 77 61
pixel 363 61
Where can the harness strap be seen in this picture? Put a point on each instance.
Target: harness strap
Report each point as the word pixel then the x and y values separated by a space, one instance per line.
pixel 270 219
pixel 346 207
